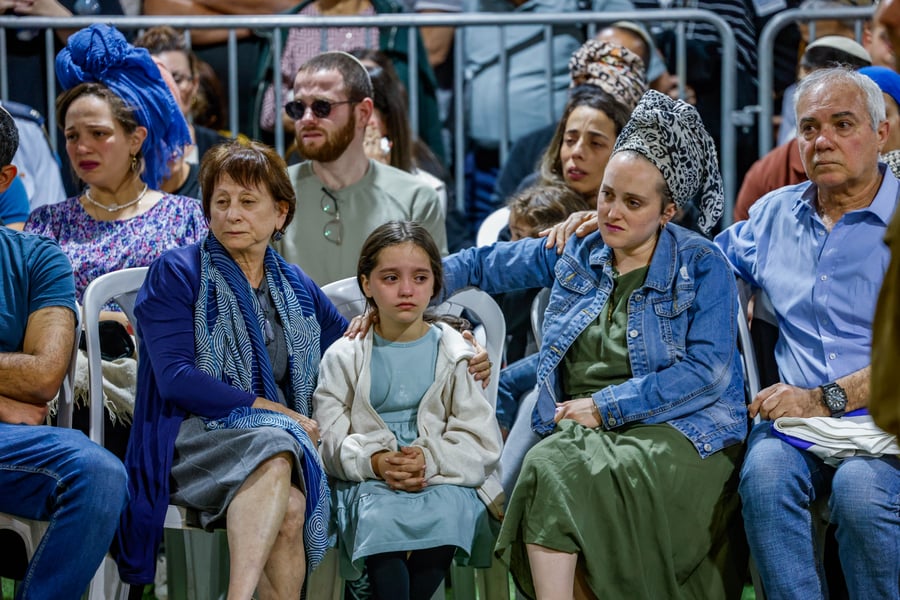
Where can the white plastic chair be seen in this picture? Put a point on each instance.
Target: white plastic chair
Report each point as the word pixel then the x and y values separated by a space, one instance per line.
pixel 492 583
pixel 538 308
pixel 28 530
pixel 194 559
pixel 491 227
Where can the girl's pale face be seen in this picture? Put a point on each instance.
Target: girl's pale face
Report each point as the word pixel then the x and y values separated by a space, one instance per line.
pixel 629 206
pixel 586 146
pixel 401 285
pixel 98 147
pixel 243 219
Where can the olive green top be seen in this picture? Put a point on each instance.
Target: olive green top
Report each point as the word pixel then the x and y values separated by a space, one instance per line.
pixel 599 356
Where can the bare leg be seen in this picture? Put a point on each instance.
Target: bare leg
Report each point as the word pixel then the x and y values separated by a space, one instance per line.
pixel 285 570
pixel 254 519
pixel 553 572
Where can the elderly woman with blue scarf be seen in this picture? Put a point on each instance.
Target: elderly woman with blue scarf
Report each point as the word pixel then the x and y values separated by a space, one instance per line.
pixel 231 337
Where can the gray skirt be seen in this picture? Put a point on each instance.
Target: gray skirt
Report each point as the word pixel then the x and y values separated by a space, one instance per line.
pixel 210 466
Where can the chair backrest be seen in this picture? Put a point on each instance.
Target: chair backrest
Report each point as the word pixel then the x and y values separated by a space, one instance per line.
pixel 65 402
pixel 538 307
pixel 346 297
pixel 491 227
pixel 748 353
pixel 120 287
pixel 490 329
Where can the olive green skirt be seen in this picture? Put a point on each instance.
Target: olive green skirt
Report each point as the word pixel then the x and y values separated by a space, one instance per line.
pixel 648 517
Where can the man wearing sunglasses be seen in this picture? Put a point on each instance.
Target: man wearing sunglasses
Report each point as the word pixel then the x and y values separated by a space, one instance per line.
pixel 342 195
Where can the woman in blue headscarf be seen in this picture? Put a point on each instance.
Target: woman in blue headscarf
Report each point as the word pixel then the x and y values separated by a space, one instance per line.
pixel 122 128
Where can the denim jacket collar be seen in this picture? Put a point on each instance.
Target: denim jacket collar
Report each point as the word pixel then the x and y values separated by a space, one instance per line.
pixel 662 265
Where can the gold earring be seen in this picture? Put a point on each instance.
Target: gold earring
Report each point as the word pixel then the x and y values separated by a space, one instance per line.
pixel 134 162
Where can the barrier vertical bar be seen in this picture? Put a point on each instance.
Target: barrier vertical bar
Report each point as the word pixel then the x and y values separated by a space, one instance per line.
pixel 232 82
pixel 50 78
pixel 459 130
pixel 412 57
pixel 277 50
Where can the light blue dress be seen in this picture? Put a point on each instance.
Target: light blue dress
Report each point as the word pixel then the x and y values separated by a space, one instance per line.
pixel 372 518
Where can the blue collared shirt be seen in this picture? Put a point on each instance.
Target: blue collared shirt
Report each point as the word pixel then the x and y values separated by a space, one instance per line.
pixel 823 285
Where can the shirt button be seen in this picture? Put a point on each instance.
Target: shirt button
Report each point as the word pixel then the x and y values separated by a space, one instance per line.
pixel 820 232
pixel 832 356
pixel 824 277
pixel 638 298
pixel 633 333
pixel 611 421
pixel 707 447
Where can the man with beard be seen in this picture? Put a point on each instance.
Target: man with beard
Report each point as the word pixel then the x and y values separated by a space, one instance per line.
pixel 342 195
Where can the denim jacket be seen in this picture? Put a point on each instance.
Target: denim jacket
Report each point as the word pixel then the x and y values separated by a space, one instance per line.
pixel 682 329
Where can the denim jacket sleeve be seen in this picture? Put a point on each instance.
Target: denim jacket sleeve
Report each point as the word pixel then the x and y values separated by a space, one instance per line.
pixel 500 267
pixel 697 323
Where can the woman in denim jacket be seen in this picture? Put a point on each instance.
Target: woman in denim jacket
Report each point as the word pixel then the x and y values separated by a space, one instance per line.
pixel 640 388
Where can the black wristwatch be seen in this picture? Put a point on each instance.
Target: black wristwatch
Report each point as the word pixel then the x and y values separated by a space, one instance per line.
pixel 835 399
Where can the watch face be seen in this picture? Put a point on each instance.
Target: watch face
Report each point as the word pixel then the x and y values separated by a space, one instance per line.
pixel 835 398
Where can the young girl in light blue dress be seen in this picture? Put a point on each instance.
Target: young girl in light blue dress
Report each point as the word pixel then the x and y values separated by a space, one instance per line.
pixel 408 433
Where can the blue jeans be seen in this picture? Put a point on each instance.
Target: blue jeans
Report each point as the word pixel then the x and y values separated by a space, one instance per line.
pixel 516 380
pixel 59 475
pixel 778 485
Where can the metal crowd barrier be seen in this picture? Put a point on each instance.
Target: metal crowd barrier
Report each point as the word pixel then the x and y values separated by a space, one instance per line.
pixel 766 55
pixel 681 16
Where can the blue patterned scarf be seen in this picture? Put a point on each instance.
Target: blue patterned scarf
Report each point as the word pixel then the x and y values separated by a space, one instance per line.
pixel 229 345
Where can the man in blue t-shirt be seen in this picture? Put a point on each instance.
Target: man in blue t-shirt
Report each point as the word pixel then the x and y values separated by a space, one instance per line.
pixel 47 473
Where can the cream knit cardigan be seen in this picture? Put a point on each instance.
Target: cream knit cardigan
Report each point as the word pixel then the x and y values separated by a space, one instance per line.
pixel 458 431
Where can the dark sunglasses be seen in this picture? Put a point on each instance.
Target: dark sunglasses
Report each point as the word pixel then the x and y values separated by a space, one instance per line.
pixel 320 108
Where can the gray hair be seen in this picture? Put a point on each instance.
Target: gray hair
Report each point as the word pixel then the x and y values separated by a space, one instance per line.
pixel 9 137
pixel 838 75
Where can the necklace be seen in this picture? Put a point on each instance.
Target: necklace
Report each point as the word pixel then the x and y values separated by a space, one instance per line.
pixel 114 207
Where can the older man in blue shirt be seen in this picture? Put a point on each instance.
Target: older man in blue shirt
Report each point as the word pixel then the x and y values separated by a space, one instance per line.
pixel 816 249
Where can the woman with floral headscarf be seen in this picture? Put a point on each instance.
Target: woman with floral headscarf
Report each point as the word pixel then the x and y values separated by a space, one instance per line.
pixel 632 493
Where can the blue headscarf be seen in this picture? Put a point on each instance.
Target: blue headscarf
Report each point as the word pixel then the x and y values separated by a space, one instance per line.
pixel 101 54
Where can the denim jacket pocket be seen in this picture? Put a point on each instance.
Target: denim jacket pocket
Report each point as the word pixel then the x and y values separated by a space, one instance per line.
pixel 572 276
pixel 672 318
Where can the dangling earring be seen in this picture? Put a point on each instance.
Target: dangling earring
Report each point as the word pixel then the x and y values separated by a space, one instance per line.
pixel 134 163
pixel 276 237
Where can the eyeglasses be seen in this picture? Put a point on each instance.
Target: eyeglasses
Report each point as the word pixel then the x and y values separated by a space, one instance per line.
pixel 320 108
pixel 334 229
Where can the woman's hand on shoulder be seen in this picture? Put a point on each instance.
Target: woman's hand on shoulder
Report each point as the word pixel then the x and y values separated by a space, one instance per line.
pixel 582 410
pixel 359 325
pixel 579 223
pixel 479 365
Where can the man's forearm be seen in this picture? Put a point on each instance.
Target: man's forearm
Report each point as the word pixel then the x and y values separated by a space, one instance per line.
pixel 856 386
pixel 23 378
pixel 245 7
pixel 14 412
pixel 34 375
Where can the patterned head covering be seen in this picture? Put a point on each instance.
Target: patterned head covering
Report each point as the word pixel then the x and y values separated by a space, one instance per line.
pixel 615 69
pixel 101 54
pixel 670 134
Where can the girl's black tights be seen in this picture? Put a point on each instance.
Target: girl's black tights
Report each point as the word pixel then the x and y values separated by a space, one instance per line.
pixel 393 576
